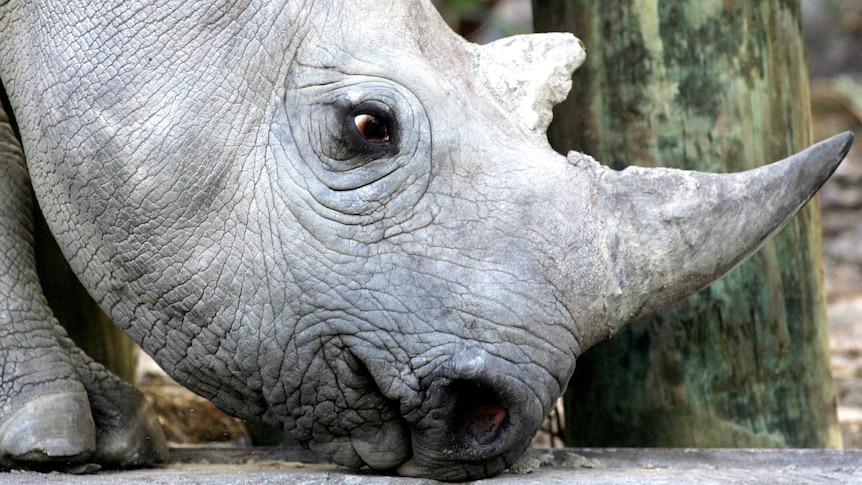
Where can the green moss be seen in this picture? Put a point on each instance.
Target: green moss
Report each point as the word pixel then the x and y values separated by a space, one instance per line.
pixel 711 86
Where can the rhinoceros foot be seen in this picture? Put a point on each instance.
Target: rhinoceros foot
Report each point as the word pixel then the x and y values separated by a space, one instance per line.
pixel 51 427
pixel 128 433
pixel 96 418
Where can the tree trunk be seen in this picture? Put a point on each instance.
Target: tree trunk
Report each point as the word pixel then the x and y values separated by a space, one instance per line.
pixel 712 86
pixel 82 318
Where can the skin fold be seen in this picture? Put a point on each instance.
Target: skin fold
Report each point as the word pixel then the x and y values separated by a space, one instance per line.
pixel 339 217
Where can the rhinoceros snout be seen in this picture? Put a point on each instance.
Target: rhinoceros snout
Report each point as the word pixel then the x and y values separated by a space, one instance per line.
pixel 462 413
pixel 479 416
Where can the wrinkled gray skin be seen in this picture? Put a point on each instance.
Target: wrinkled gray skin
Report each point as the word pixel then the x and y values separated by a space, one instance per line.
pixel 415 303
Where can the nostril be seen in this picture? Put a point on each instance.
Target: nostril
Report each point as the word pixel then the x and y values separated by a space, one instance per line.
pixel 486 420
pixel 478 413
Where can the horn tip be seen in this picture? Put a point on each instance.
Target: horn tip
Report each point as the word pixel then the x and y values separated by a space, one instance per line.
pixel 839 145
pixel 847 139
pixel 833 150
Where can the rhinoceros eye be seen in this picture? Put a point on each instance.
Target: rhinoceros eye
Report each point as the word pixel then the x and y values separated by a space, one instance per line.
pixel 368 131
pixel 372 128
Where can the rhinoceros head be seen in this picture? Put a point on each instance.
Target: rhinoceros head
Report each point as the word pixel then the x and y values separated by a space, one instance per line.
pixel 345 219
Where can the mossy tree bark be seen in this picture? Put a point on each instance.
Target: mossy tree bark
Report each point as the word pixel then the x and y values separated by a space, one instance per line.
pixel 711 86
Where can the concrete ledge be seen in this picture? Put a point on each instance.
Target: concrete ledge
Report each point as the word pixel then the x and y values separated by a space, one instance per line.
pixel 227 466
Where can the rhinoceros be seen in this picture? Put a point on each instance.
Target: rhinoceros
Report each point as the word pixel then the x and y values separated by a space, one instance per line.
pixel 339 217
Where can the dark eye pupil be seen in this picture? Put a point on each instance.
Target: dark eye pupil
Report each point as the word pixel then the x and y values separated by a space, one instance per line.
pixel 371 128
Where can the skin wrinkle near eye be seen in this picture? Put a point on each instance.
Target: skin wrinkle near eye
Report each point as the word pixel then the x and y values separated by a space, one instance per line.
pixel 341 105
pixel 377 206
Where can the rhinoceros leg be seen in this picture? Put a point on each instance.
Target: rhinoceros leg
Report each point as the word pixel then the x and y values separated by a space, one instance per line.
pixel 56 405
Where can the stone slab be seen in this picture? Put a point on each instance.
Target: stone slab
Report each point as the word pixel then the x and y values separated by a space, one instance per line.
pixel 220 466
